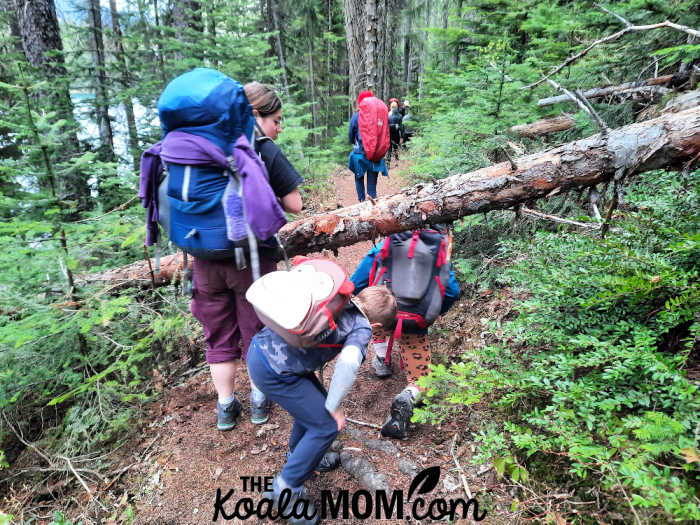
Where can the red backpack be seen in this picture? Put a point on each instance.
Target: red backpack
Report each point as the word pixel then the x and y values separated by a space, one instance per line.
pixel 374 128
pixel 300 305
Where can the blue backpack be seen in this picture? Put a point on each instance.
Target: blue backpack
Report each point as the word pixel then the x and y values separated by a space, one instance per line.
pixel 202 204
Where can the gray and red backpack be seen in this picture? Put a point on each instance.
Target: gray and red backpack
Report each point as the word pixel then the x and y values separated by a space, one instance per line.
pixel 415 265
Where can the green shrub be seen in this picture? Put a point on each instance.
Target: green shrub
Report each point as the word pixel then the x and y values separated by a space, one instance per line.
pixel 593 367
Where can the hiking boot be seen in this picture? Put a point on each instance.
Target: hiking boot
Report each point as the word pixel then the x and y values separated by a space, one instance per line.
pixel 260 411
pixel 227 415
pixel 381 369
pixel 276 495
pixel 329 461
pixel 401 412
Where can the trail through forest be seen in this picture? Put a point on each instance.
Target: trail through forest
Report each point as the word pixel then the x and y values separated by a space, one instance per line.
pixel 179 461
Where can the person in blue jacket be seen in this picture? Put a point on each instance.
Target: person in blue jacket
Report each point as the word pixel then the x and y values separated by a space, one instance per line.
pixel 414 349
pixel 358 162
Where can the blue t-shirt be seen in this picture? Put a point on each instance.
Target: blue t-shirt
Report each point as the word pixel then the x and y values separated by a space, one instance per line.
pixel 284 359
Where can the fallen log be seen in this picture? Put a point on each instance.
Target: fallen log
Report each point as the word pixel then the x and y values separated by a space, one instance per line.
pixel 666 141
pixel 543 126
pixel 650 84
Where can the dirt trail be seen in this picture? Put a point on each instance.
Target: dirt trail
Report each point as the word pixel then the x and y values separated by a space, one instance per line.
pixel 183 460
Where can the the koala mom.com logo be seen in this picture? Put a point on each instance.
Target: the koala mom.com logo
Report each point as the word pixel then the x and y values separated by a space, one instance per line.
pixel 342 504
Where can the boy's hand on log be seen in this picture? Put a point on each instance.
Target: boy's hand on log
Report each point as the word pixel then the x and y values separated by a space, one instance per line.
pixel 339 417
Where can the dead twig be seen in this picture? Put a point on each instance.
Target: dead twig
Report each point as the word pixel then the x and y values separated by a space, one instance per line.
pixel 459 468
pixel 554 218
pixel 117 476
pixel 358 422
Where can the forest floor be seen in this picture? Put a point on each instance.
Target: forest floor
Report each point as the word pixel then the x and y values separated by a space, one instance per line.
pixel 170 470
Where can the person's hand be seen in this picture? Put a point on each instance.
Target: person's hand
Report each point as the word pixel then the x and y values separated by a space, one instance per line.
pixel 339 417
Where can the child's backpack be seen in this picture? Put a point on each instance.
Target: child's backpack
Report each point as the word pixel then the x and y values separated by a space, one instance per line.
pixel 374 128
pixel 300 304
pixel 215 200
pixel 415 265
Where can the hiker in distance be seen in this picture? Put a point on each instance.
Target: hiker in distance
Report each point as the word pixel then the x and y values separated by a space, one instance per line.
pixel 369 135
pixel 407 123
pixel 218 301
pixel 395 130
pixel 284 372
pixel 416 266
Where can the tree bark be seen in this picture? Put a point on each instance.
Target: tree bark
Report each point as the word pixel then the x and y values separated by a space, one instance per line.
pixel 134 147
pixel 664 142
pixel 627 87
pixel 371 20
pixel 159 43
pixel 97 50
pixel 543 126
pixel 424 54
pixel 312 87
pixel 187 17
pixel 407 48
pixel 280 51
pixel 43 49
pixel 458 50
pixel 355 41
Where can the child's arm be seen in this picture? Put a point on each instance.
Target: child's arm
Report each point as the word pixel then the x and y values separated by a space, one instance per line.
pixel 451 292
pixel 361 276
pixel 344 375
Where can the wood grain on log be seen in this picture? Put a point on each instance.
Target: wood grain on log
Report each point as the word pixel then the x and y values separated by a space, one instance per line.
pixel 543 126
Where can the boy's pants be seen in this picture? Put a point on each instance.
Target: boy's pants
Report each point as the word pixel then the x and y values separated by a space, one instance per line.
pixel 304 398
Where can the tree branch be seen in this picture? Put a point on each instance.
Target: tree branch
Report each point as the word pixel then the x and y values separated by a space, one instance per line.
pixel 611 38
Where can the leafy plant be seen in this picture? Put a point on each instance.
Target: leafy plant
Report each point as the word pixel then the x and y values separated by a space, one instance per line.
pixel 594 369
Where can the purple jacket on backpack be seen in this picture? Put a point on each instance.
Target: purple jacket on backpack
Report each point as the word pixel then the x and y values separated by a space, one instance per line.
pixel 262 209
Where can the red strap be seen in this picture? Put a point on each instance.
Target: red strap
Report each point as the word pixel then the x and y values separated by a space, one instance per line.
pixel 331 321
pixel 379 277
pixel 371 281
pixel 329 345
pixel 414 241
pixel 442 288
pixel 386 247
pixel 442 254
pixel 347 287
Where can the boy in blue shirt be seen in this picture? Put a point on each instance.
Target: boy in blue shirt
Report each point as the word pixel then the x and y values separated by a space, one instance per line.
pixel 285 374
pixel 412 331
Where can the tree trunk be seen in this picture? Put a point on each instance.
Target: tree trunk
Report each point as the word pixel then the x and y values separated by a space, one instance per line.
pixel 97 50
pixel 424 55
pixel 187 17
pixel 543 126
pixel 407 54
pixel 280 52
pixel 134 147
pixel 312 88
pixel 371 20
pixel 458 50
pixel 43 49
pixel 627 87
pixel 445 25
pixel 329 70
pixel 355 41
pixel 159 43
pixel 664 142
